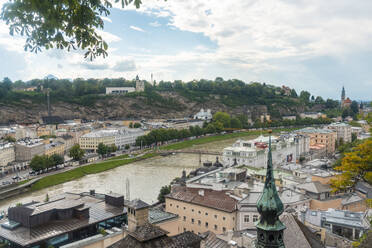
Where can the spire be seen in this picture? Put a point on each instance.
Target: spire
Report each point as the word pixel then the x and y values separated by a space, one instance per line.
pixel 343 93
pixel 269 227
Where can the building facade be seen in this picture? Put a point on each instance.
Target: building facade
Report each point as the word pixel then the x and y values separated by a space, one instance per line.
pixel 202 210
pixel 286 148
pixel 7 155
pixel 55 147
pixel 119 90
pixel 324 137
pixel 26 149
pixel 91 140
pixel 343 131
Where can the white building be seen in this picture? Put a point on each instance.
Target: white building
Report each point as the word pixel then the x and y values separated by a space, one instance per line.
pixel 7 154
pixel 204 115
pixel 286 148
pixel 117 137
pixel 119 90
pixel 312 115
pixel 343 131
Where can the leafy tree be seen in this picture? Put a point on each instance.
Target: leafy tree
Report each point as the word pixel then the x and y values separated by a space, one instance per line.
pixel 112 148
pixel 305 96
pixel 235 123
pixel 57 159
pixel 10 139
pixel 165 190
pixel 131 125
pixel 354 106
pixel 319 100
pixel 353 137
pixel 293 93
pixel 137 125
pixel 355 166
pixel 76 152
pixel 211 128
pixel 127 147
pixel 223 118
pixel 102 149
pixel 62 24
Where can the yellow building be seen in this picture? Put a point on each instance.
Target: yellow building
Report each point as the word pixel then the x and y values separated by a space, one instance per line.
pixel 321 137
pixel 56 147
pixel 91 140
pixel 202 210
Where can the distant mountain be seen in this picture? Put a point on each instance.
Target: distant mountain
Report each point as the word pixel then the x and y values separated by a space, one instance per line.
pixel 50 76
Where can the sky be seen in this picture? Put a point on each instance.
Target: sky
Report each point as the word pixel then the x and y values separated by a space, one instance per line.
pixel 317 45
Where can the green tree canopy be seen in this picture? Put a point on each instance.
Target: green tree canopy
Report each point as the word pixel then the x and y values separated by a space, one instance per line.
pixel 76 152
pixel 165 190
pixel 223 118
pixel 62 24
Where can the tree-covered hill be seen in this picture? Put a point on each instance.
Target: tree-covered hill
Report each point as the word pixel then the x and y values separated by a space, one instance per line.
pixel 82 98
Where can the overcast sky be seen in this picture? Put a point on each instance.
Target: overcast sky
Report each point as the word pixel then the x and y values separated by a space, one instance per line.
pixel 315 45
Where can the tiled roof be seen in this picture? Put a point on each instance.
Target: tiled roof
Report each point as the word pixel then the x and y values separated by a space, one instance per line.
pixel 211 241
pixel 138 204
pixel 158 216
pixel 315 187
pixel 205 197
pixel 297 234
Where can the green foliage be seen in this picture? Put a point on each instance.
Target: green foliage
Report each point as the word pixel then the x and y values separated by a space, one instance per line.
pixel 165 190
pixel 223 118
pixel 9 139
pixel 76 152
pixel 353 137
pixel 44 162
pixel 62 24
pixel 103 149
pixel 137 125
pixel 127 147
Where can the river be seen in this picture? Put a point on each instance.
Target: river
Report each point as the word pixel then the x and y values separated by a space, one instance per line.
pixel 145 177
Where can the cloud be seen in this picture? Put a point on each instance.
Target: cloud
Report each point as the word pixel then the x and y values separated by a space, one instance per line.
pixel 94 66
pixel 155 24
pixel 106 19
pixel 124 65
pixel 136 28
pixel 108 37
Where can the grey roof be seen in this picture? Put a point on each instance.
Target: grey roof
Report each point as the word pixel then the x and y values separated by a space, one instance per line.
pixel 158 216
pixel 138 204
pixel 351 199
pixel 211 241
pixel 315 187
pixel 364 188
pixel 297 234
pixel 98 212
pixel 151 236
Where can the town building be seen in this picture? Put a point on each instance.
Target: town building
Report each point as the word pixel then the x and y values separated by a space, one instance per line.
pixel 26 149
pixel 345 102
pixel 140 85
pixel 289 117
pixel 350 225
pixel 312 115
pixel 119 90
pixel 7 156
pixel 343 131
pixel 204 115
pixel 247 214
pixel 321 137
pixel 55 147
pixel 61 220
pixel 202 210
pixel 286 148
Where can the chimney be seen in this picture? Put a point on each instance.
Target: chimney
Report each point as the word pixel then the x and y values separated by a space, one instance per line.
pixel 201 192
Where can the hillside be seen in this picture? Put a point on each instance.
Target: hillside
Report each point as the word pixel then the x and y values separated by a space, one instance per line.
pixel 85 99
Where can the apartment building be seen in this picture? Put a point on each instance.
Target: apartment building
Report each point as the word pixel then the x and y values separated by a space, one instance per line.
pixel 202 210
pixel 91 140
pixel 286 148
pixel 55 147
pixel 324 137
pixel 26 149
pixel 343 131
pixel 7 155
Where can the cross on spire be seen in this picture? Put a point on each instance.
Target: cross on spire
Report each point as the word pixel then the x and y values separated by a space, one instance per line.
pixel 269 227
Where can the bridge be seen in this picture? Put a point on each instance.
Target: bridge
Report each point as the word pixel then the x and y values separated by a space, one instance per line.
pixel 204 152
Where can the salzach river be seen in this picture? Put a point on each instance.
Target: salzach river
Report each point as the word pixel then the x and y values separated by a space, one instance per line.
pixel 145 177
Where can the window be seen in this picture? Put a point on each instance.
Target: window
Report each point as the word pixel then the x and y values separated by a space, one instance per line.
pixel 199 212
pixel 215 227
pixel 192 221
pixel 184 208
pixel 177 206
pixel 215 216
pixel 224 229
pixel 255 218
pixel 206 224
pixel 192 210
pixel 184 229
pixel 224 218
pixel 184 218
pixel 246 218
pixel 170 205
pixel 206 213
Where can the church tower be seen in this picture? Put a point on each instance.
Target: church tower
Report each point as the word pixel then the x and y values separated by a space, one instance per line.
pixel 342 96
pixel 140 85
pixel 270 228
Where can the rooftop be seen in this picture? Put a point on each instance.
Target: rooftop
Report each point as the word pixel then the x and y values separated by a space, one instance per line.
pixel 314 187
pixel 205 197
pixel 314 130
pixel 158 216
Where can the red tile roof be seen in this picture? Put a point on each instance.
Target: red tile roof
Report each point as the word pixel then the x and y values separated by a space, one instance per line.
pixel 213 199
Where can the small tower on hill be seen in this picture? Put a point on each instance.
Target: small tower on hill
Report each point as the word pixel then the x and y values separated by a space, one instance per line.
pixel 140 85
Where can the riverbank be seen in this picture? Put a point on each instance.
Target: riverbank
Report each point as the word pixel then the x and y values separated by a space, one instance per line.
pixel 121 160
